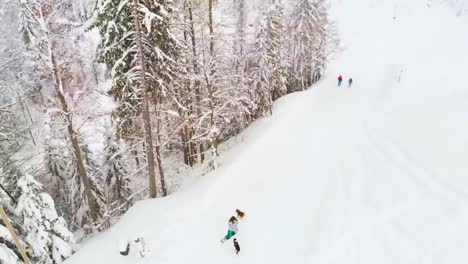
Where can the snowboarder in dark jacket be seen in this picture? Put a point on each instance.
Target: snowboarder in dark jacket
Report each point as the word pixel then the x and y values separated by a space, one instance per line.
pixel 350 82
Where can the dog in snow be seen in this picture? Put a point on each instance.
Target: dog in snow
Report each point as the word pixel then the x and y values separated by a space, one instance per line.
pixel 236 246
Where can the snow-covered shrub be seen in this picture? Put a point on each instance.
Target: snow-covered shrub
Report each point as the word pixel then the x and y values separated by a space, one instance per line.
pixel 46 233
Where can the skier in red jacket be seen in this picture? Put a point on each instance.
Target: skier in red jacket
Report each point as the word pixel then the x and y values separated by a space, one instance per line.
pixel 340 80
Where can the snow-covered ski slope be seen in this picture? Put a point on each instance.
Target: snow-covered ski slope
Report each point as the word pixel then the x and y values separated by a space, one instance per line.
pixel 375 173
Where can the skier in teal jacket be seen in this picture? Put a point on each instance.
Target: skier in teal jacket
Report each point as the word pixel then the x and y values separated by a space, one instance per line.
pixel 232 230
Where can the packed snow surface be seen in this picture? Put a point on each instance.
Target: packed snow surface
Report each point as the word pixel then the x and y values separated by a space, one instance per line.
pixel 374 173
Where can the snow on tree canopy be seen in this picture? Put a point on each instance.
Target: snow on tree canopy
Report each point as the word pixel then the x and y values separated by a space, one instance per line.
pixel 47 233
pixel 7 255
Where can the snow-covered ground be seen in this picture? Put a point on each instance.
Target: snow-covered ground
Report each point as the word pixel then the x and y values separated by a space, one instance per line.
pixel 375 173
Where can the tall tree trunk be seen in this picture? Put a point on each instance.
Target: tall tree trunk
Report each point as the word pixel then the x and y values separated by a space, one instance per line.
pixel 135 154
pixel 214 139
pixel 146 112
pixel 241 27
pixel 185 147
pixel 182 111
pixel 158 151
pixel 193 146
pixel 92 204
pixel 210 25
pixel 184 132
pixel 188 145
pixel 197 82
pixel 95 72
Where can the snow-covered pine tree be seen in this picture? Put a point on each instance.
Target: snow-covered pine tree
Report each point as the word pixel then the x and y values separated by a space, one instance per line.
pixel 163 68
pixel 96 177
pixel 140 52
pixel 117 176
pixel 208 130
pixel 61 176
pixel 217 106
pixel 45 232
pixel 193 94
pixel 16 82
pixel 117 50
pixel 183 98
pixel 240 78
pixel 140 71
pixel 211 73
pixel 269 72
pixel 9 253
pixel 217 92
pixel 33 216
pixel 308 34
pixel 261 73
pixel 278 54
pixel 328 41
pixel 42 29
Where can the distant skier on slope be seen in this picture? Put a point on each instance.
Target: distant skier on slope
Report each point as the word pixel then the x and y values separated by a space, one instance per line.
pixel 232 230
pixel 350 82
pixel 340 80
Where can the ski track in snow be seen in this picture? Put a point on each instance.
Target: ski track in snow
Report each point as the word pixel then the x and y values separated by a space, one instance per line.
pixel 375 173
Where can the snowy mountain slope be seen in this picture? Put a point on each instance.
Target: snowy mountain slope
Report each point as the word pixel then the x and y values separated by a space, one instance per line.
pixel 375 173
